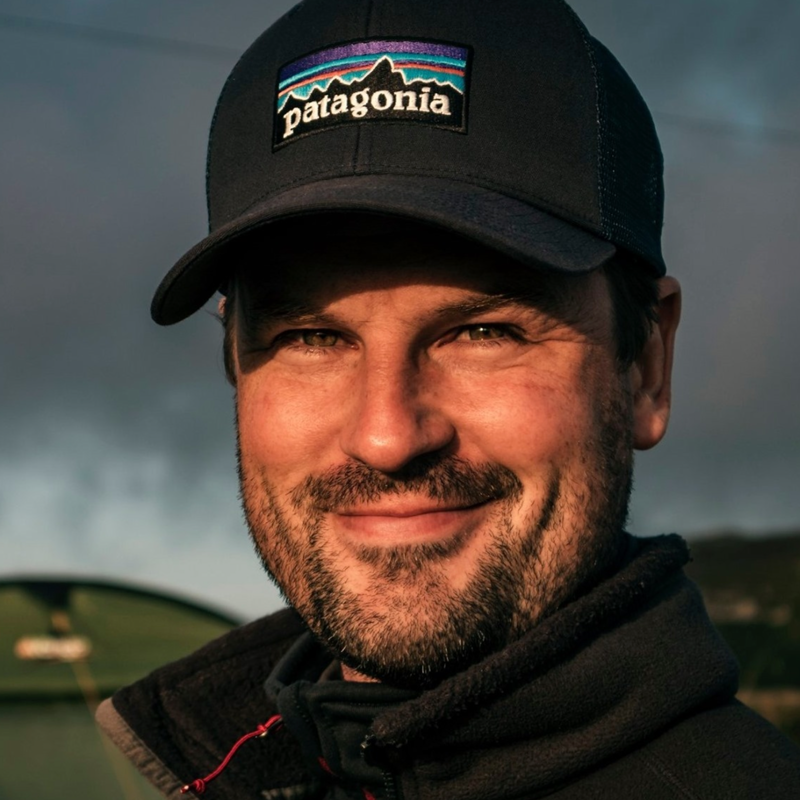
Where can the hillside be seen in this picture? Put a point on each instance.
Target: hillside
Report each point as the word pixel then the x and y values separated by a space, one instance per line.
pixel 752 591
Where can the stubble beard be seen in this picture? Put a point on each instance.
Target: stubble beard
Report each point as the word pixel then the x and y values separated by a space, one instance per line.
pixel 412 628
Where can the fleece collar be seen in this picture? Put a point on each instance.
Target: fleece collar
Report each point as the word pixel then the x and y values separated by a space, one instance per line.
pixel 597 678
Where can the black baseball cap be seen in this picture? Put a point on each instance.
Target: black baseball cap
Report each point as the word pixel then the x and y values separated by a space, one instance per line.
pixel 505 122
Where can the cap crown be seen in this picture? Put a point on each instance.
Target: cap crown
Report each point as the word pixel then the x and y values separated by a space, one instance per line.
pixel 550 117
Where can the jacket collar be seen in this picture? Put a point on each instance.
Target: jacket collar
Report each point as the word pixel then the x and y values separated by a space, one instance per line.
pixel 607 671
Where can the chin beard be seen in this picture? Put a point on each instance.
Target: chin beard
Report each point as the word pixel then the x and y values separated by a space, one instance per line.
pixel 414 629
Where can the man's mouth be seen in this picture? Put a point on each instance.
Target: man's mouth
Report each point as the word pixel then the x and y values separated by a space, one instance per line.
pixel 397 522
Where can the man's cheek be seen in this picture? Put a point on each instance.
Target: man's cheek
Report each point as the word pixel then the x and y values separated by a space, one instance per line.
pixel 532 424
pixel 279 429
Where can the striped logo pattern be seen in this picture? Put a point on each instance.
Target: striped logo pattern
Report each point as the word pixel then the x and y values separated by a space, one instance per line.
pixel 397 80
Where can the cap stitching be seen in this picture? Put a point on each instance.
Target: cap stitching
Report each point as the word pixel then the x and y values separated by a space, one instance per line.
pixel 354 161
pixel 486 184
pixel 226 86
pixel 584 34
pixel 479 181
pixel 357 147
pixel 222 96
pixel 370 7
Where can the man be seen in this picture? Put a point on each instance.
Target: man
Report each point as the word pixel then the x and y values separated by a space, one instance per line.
pixel 436 229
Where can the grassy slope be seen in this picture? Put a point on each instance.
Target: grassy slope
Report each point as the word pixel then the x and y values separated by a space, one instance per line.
pixel 752 590
pixel 130 635
pixel 50 748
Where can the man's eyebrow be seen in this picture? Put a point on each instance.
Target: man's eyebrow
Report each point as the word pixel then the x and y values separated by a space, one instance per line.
pixel 292 311
pixel 532 298
pixel 297 312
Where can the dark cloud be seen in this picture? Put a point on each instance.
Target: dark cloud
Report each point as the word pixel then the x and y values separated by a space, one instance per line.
pixel 117 435
pixel 731 456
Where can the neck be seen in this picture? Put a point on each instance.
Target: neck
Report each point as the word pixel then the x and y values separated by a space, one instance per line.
pixel 350 674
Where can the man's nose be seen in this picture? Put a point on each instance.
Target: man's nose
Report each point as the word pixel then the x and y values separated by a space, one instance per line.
pixel 395 415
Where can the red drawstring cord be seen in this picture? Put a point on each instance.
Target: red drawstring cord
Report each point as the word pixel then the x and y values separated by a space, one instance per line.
pixel 324 764
pixel 199 786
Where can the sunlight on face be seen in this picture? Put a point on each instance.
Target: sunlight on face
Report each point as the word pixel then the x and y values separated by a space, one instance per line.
pixel 435 444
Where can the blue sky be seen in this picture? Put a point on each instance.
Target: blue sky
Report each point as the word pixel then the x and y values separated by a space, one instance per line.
pixel 117 439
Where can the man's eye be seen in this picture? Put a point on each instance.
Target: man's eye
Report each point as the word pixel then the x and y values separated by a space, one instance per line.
pixel 318 338
pixel 479 333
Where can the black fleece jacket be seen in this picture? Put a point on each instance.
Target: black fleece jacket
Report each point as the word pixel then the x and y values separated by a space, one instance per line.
pixel 626 693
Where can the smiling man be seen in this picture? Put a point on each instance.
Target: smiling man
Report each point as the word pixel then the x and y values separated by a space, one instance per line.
pixel 455 449
pixel 436 231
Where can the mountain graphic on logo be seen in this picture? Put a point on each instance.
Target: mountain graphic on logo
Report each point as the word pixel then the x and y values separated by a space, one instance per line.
pixel 417 68
pixel 383 91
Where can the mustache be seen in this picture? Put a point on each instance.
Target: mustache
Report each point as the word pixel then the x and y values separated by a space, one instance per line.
pixel 445 479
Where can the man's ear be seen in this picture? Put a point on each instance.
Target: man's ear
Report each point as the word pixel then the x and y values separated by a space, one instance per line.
pixel 651 373
pixel 229 341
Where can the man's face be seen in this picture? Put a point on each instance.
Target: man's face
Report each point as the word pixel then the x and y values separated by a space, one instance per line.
pixel 435 444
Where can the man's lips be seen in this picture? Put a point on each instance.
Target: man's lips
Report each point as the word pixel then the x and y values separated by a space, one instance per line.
pixel 393 524
pixel 402 509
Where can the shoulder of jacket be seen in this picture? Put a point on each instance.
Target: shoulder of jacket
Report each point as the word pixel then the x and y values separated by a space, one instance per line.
pixel 727 751
pixel 132 747
pixel 185 715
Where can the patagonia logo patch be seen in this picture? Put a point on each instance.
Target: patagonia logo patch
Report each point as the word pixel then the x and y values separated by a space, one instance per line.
pixel 377 80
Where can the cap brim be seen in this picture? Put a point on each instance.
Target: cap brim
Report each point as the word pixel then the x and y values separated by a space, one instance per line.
pixel 510 226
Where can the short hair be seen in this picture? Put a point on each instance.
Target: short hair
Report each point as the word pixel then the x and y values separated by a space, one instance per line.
pixel 634 294
pixel 634 300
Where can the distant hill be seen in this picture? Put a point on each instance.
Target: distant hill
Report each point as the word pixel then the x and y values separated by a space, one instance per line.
pixel 65 643
pixel 752 590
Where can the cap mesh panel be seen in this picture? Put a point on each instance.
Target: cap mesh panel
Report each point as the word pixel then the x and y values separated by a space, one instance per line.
pixel 630 163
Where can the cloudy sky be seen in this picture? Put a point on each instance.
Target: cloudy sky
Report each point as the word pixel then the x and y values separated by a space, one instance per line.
pixel 116 443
